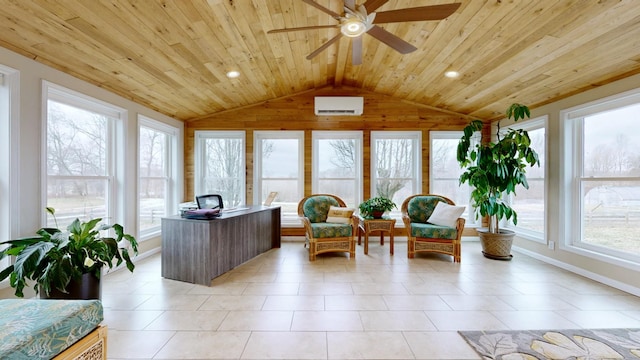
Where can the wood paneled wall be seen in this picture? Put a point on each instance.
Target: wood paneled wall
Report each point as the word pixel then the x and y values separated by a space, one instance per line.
pixel 297 113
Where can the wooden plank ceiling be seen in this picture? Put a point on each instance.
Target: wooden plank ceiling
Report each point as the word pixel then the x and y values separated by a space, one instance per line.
pixel 172 55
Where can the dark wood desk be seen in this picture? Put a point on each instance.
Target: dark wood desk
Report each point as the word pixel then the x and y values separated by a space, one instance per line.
pixel 197 251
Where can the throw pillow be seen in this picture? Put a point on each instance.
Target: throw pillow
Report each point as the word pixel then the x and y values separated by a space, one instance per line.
pixel 445 214
pixel 340 215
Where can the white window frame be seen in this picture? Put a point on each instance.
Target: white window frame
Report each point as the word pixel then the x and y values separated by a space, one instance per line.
pixel 416 178
pixel 9 156
pixel 450 135
pixel 287 218
pixel 170 172
pixel 338 135
pixel 536 236
pixel 116 140
pixel 199 158
pixel 570 169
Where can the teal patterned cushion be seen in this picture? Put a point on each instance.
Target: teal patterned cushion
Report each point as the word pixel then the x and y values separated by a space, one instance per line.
pixel 316 208
pixel 433 231
pixel 420 207
pixel 331 230
pixel 41 329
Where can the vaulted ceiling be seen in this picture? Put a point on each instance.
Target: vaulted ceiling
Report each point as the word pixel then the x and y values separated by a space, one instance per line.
pixel 172 55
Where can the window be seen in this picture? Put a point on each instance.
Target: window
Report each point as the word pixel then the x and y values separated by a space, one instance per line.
pixel 279 167
pixel 337 165
pixel 444 172
pixel 602 177
pixel 529 204
pixel 156 184
pixel 81 156
pixel 220 165
pixel 395 165
pixel 9 133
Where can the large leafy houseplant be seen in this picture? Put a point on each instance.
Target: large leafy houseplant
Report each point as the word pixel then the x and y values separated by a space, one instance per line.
pixel 495 169
pixel 376 206
pixel 53 258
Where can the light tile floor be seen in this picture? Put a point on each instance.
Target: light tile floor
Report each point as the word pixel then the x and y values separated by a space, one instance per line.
pixel 281 306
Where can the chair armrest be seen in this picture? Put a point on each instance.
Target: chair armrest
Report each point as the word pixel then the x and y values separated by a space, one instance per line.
pixel 307 225
pixel 354 225
pixel 406 220
pixel 460 226
pixel 407 225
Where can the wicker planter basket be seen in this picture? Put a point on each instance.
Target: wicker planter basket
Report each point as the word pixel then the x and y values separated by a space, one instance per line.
pixel 496 246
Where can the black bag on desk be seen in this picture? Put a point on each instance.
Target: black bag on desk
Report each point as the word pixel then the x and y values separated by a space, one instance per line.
pixel 201 214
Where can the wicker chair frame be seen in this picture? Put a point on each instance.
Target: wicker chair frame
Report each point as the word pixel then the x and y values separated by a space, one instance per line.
pixel 325 245
pixel 437 245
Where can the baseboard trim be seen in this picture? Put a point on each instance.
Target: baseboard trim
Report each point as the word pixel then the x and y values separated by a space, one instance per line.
pixel 580 271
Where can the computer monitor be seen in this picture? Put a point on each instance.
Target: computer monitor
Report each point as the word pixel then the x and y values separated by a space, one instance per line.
pixel 211 201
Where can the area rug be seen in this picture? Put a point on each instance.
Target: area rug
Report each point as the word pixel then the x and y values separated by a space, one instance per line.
pixel 556 344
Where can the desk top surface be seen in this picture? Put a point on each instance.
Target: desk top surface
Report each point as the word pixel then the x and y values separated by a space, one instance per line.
pixel 228 213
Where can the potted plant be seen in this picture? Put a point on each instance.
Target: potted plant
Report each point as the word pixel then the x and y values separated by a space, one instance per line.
pixel 494 170
pixel 67 264
pixel 376 207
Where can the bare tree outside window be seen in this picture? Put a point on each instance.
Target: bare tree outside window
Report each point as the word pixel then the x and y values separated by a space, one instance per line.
pixel 444 173
pixel 337 158
pixel 77 158
pixel 224 169
pixel 394 167
pixel 279 168
pixel 344 155
pixel 153 177
pixel 394 164
pixel 610 180
pixel 530 203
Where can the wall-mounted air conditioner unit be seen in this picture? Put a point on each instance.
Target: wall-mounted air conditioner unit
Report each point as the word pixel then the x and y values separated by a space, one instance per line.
pixel 339 105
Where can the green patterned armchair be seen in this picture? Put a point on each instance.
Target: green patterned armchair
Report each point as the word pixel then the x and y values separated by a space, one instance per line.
pixel 424 236
pixel 323 236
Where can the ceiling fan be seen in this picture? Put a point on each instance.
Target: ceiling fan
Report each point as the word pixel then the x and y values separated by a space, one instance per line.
pixel 359 19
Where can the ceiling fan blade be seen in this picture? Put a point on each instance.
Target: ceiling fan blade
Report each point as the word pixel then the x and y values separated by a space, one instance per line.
pixel 351 4
pixel 323 9
pixel 302 28
pixel 324 46
pixel 373 5
pixel 423 13
pixel 393 41
pixel 356 50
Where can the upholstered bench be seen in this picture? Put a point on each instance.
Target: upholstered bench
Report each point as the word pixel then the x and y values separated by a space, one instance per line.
pixel 52 329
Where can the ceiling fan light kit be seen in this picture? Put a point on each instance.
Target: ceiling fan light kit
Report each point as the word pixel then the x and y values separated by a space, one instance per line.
pixel 355 21
pixel 352 28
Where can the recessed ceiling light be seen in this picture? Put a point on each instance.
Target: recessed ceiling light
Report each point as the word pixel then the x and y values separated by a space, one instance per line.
pixel 452 74
pixel 233 74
